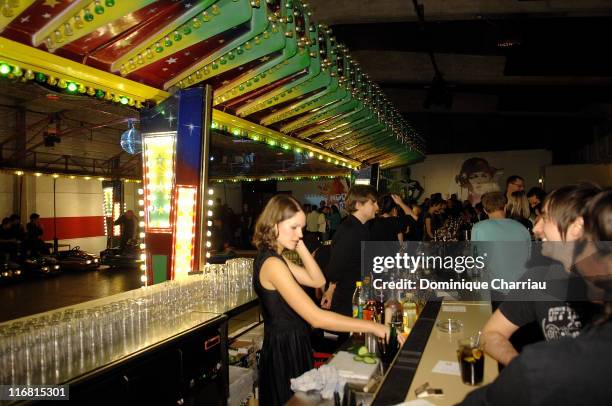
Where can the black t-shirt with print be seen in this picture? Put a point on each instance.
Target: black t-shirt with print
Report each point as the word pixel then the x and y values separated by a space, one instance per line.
pixel 562 372
pixel 564 315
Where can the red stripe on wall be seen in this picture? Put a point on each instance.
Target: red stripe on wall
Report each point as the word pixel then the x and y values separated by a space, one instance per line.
pixel 73 227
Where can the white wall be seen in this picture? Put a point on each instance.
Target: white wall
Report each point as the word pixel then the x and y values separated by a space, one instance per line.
pixel 437 173
pixel 7 183
pixel 76 198
pixel 560 175
pixel 73 197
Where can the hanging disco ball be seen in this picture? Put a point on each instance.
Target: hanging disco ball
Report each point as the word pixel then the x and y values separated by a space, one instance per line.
pixel 131 141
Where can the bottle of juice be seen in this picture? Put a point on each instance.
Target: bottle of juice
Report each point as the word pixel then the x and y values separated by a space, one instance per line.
pixel 358 301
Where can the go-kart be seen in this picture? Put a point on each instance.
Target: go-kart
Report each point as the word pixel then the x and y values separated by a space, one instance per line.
pixel 76 259
pixel 45 265
pixel 128 258
pixel 9 271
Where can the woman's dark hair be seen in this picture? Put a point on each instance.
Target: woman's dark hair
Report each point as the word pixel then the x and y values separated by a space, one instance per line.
pixel 566 204
pixel 386 204
pixel 512 179
pixel 537 192
pixel 598 220
pixel 279 208
pixel 434 202
pixel 34 216
pixel 598 229
pixel 6 220
pixel 335 209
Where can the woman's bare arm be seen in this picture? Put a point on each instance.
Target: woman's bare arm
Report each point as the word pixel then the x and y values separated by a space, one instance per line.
pixel 310 274
pixel 276 276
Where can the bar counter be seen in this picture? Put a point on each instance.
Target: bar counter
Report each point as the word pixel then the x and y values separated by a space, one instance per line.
pixel 425 347
pixel 428 347
pixel 136 336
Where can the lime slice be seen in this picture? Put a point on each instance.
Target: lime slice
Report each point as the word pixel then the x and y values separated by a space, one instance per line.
pixel 363 350
pixel 477 353
pixel 358 358
pixel 469 359
pixel 369 360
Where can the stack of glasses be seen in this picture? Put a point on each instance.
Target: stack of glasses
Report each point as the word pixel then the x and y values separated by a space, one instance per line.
pixel 55 347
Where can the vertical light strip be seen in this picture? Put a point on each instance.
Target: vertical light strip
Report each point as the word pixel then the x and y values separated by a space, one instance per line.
pixel 159 179
pixel 209 223
pixel 143 255
pixel 184 236
pixel 116 213
pixel 107 207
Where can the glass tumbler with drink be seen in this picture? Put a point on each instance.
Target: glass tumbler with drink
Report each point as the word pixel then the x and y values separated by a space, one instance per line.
pixel 471 360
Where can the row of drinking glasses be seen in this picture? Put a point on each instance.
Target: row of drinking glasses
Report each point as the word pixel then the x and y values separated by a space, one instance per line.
pixel 51 349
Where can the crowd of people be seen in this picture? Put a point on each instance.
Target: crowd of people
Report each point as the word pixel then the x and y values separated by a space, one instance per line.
pixel 16 240
pixel 572 213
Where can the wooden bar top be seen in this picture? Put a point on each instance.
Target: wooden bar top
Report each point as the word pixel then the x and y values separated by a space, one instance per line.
pixel 442 346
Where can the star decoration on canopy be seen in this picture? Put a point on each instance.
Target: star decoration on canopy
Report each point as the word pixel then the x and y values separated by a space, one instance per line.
pixel 51 3
pixel 264 59
pixel 124 43
pixel 46 15
pixel 25 19
pixel 170 119
pixel 170 61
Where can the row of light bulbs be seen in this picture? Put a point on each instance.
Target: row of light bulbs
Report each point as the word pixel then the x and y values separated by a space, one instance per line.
pixel 238 132
pixel 65 176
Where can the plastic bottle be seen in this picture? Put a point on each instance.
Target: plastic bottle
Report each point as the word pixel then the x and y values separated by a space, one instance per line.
pixel 358 302
pixel 410 313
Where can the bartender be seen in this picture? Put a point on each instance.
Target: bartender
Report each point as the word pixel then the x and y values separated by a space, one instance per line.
pixel 344 268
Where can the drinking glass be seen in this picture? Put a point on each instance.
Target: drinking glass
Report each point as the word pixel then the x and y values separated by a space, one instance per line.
pixel 471 360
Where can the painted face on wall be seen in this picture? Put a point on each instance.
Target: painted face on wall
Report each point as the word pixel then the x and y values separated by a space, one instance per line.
pixel 481 183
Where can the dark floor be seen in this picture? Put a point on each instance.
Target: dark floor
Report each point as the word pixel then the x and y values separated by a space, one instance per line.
pixel 40 295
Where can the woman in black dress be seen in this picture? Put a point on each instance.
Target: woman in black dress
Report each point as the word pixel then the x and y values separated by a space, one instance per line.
pixel 389 225
pixel 287 309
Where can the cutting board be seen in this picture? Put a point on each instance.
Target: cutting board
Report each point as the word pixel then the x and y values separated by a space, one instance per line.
pixel 352 370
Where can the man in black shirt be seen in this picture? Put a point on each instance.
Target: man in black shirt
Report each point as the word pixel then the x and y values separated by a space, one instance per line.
pixel 562 221
pixel 567 371
pixel 344 268
pixel 34 241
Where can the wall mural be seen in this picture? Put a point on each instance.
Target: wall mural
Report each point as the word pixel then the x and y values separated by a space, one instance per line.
pixel 478 177
pixel 332 192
